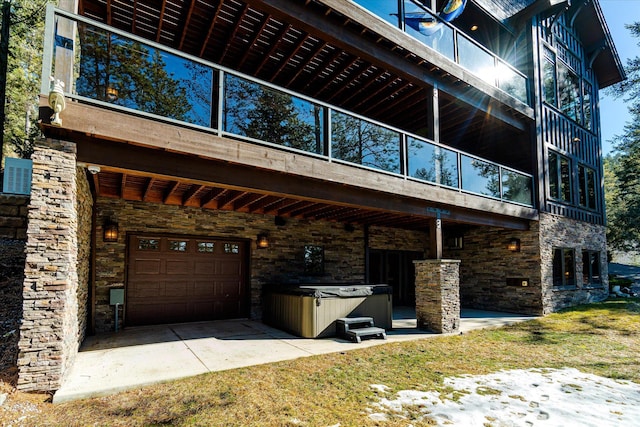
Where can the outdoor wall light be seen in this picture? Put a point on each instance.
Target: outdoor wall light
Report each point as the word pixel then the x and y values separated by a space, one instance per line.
pixel 514 245
pixel 112 93
pixel 56 101
pixel 262 241
pixel 110 231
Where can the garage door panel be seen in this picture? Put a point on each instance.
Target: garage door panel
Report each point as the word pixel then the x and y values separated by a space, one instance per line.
pixel 179 267
pixel 147 266
pixel 196 284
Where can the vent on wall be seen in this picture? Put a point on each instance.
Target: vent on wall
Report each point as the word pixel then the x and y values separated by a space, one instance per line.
pixel 17 176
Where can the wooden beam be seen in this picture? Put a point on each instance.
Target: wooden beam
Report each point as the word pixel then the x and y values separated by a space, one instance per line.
pixel 160 20
pixel 205 42
pixel 267 56
pixel 209 198
pixel 234 34
pixel 187 21
pixel 291 55
pixel 147 189
pixel 265 21
pixel 170 190
pixel 191 193
pixel 123 184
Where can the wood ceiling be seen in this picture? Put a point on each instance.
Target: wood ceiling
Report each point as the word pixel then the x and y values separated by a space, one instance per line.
pixel 139 187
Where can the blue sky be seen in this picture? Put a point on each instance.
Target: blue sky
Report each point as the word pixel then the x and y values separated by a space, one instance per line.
pixel 614 113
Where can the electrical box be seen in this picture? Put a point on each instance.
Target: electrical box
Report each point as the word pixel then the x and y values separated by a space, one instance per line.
pixel 517 281
pixel 116 296
pixel 17 176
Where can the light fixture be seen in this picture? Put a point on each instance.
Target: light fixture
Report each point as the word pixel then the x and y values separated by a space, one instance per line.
pixel 514 245
pixel 474 27
pixel 112 93
pixel 110 231
pixel 262 241
pixel 56 101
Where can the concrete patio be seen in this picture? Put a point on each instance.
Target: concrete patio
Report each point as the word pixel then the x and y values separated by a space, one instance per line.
pixel 140 356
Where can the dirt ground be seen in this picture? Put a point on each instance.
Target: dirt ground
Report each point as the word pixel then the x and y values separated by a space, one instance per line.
pixel 11 276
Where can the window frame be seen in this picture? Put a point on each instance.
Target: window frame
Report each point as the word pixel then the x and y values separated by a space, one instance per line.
pixel 568 273
pixel 559 193
pixel 588 277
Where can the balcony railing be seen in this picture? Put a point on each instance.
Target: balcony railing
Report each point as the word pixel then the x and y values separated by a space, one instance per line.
pixel 108 67
pixel 447 40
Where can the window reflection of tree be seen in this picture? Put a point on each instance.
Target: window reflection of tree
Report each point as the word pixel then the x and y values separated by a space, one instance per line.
pixel 516 187
pixel 432 163
pixel 268 115
pixel 131 74
pixel 358 141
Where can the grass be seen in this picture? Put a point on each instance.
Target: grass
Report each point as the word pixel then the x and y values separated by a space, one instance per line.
pixel 602 339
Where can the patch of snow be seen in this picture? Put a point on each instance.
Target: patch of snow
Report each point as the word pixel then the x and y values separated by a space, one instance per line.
pixel 534 397
pixel 380 388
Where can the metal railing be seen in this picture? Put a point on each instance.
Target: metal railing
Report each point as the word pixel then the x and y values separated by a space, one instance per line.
pixel 104 66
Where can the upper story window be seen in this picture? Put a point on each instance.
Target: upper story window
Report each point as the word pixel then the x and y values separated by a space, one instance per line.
pixel 564 87
pixel 559 177
pixel 587 187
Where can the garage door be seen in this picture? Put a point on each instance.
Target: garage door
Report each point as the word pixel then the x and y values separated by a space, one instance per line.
pixel 185 279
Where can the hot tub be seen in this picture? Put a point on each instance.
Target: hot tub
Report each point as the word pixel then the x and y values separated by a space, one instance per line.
pixel 310 310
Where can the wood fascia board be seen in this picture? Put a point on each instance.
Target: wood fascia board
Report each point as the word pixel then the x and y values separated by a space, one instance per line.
pixel 350 42
pixel 227 157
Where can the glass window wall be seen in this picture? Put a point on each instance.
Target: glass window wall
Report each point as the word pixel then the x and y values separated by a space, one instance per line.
pixel 479 176
pixel 432 163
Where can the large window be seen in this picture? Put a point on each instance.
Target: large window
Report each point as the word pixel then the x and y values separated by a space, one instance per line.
pixel 432 163
pixel 587 187
pixel 564 271
pixel 591 267
pixel 564 88
pixel 559 177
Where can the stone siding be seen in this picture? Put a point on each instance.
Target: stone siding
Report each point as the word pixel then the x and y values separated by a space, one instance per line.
pixel 491 276
pixel 13 216
pixel 438 295
pixel 49 331
pixel 84 213
pixel 282 262
pixel 560 232
pixel 11 278
pixel 397 239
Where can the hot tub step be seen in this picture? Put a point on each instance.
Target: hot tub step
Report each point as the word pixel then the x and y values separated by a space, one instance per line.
pixel 354 328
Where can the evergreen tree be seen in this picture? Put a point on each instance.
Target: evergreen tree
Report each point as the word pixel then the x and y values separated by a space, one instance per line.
pixel 622 170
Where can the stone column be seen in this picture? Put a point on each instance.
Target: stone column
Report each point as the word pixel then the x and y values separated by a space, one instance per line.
pixel 438 295
pixel 49 332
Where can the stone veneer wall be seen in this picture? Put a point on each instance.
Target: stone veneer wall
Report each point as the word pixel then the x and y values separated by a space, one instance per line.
pixel 438 295
pixel 49 331
pixel 560 232
pixel 487 264
pixel 13 216
pixel 84 213
pixel 397 239
pixel 282 262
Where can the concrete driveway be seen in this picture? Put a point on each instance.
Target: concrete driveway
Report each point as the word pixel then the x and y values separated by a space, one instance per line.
pixel 145 355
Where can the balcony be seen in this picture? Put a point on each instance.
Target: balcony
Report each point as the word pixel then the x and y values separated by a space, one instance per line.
pixel 418 21
pixel 113 69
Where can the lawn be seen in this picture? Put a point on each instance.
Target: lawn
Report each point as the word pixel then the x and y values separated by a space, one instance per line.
pixel 327 390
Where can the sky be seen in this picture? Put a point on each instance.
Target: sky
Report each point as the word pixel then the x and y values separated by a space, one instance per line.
pixel 613 112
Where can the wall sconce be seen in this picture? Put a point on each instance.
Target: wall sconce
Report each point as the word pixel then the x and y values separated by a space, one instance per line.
pixel 262 241
pixel 514 245
pixel 112 93
pixel 56 101
pixel 110 231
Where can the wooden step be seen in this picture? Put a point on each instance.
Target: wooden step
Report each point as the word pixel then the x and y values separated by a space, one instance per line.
pixel 372 331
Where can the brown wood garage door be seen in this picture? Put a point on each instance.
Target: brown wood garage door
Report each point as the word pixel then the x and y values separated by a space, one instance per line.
pixel 185 279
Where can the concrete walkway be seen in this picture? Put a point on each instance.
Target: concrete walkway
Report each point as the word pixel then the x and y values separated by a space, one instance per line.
pixel 140 356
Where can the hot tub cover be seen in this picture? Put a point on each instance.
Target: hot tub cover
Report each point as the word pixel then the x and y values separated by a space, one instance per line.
pixel 332 290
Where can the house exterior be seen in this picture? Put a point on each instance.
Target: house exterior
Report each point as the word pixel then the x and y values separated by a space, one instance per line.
pixel 203 151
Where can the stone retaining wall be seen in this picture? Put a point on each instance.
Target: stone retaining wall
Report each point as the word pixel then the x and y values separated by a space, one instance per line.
pixel 13 216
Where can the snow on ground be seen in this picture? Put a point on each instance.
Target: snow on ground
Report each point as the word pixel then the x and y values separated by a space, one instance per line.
pixel 528 398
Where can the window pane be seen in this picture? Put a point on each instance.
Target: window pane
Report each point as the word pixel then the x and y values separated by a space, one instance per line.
pixel 516 187
pixel 178 246
pixel 582 188
pixel 258 112
pixel 569 268
pixel 588 108
pixel 558 278
pixel 591 189
pixel 569 91
pixel 565 179
pixel 476 59
pixel 432 163
pixel 554 187
pixel 591 267
pixel 131 74
pixel 425 27
pixel 313 260
pixel 205 247
pixel 385 9
pixel 149 244
pixel 359 141
pixel 231 248
pixel 480 177
pixel 511 82
pixel 549 78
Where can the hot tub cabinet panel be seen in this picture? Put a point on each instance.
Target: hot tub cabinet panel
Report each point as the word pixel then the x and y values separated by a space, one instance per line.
pixel 311 311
